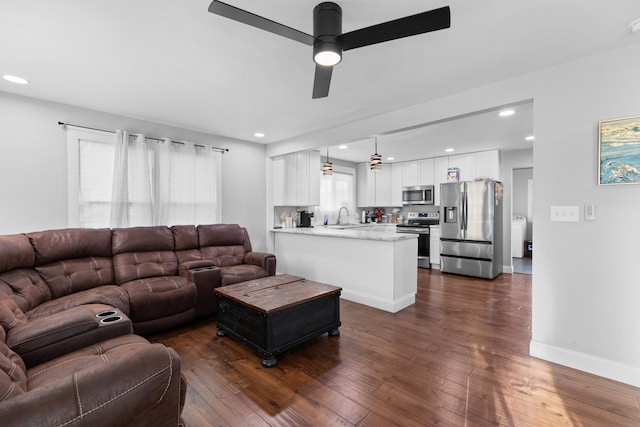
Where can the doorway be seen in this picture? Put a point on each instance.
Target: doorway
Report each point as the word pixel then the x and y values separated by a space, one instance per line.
pixel 522 221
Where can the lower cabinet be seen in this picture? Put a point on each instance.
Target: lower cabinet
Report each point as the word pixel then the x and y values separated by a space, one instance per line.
pixel 434 245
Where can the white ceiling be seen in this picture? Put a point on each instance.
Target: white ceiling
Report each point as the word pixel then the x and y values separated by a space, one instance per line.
pixel 173 62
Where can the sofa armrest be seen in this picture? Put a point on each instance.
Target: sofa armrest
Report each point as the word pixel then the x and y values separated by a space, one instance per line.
pixel 141 387
pixel 262 259
pixel 48 337
pixel 206 277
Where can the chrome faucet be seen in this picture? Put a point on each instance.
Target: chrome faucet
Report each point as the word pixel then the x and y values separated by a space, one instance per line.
pixel 339 212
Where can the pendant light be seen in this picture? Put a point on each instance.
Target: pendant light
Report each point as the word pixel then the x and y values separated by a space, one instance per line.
pixel 376 159
pixel 327 167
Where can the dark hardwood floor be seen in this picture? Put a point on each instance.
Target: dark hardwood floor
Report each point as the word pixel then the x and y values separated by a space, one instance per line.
pixel 458 357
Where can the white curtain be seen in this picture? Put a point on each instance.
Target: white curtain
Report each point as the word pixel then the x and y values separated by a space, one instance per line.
pixel 164 183
pixel 336 191
pixel 187 189
pixel 131 196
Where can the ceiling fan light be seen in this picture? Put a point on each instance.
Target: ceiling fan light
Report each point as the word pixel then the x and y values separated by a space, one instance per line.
pixel 327 58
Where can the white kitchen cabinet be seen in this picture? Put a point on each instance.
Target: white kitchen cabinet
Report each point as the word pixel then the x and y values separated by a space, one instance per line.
pixel 381 188
pixel 440 166
pixel 466 164
pixel 365 186
pixel 296 179
pixel 483 164
pixel 396 184
pixel 410 173
pixel 315 171
pixel 434 245
pixel 487 164
pixel 425 171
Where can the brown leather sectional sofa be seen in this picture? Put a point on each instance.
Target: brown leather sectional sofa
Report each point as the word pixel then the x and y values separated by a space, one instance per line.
pixel 70 300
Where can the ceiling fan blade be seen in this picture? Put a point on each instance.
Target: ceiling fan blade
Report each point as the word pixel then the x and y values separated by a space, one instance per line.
pixel 433 20
pixel 322 81
pixel 232 12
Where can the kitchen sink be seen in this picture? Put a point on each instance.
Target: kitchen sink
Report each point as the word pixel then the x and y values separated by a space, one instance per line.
pixel 345 226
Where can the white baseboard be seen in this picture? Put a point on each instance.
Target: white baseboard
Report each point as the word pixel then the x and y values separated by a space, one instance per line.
pixel 392 306
pixel 585 362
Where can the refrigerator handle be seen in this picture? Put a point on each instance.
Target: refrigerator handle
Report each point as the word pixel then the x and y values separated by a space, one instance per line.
pixel 464 215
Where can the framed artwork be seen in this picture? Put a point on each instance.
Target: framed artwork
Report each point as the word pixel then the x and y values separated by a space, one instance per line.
pixel 619 151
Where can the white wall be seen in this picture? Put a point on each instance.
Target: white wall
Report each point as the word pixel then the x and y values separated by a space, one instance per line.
pixel 33 165
pixel 586 293
pixel 585 286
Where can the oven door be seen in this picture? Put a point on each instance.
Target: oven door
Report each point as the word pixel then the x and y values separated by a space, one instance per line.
pixel 423 243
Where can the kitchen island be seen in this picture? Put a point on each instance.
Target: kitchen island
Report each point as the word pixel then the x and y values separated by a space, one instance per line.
pixel 372 264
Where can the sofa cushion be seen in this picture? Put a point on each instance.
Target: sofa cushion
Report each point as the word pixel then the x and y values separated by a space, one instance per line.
pixel 10 314
pixel 13 378
pixel 157 297
pixel 25 287
pixel 111 295
pixel 185 239
pixel 125 381
pixel 140 265
pixel 74 275
pixel 222 243
pixel 220 235
pixel 15 252
pixel 141 252
pixel 69 243
pixel 141 239
pixel 241 273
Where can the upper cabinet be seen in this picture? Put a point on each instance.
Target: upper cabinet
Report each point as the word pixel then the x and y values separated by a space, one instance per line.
pixel 483 164
pixel 296 179
pixel 487 164
pixel 379 188
pixel 417 172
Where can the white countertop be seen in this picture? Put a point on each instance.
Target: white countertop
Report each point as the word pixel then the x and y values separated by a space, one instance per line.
pixel 384 232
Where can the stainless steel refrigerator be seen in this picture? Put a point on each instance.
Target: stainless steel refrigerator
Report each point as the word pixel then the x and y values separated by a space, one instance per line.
pixel 471 228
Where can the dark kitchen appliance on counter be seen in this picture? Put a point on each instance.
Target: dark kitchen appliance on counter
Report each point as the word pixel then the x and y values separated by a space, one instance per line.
pixel 471 228
pixel 305 219
pixel 419 223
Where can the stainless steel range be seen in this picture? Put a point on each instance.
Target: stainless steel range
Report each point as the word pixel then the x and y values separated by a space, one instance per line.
pixel 419 223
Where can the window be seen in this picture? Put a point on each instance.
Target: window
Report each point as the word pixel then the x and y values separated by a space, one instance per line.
pixel 157 182
pixel 336 191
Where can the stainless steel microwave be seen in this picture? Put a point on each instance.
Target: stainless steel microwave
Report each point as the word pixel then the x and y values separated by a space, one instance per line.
pixel 418 195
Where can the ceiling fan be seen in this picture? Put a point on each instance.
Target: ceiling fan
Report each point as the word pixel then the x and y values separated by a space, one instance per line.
pixel 329 42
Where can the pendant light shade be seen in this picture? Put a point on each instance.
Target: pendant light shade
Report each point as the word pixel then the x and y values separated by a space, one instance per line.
pixel 376 160
pixel 327 167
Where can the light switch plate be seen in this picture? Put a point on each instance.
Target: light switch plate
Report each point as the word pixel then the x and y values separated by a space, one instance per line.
pixel 590 212
pixel 565 213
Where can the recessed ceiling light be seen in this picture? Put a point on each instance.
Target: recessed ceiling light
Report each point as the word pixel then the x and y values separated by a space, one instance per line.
pixel 391 158
pixel 449 150
pixel 530 138
pixel 634 27
pixel 506 113
pixel 259 134
pixel 15 79
pixel 342 147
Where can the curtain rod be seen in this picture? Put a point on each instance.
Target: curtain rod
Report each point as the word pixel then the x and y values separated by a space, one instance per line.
pixel 222 150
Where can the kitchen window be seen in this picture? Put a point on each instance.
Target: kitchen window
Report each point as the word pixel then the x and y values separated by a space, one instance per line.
pixel 336 191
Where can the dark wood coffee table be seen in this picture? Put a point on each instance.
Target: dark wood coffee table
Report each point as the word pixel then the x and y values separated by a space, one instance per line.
pixel 276 313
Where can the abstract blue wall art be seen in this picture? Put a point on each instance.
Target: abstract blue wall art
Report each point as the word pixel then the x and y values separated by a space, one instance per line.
pixel 619 151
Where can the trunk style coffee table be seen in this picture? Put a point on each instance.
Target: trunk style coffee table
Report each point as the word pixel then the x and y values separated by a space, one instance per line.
pixel 276 313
